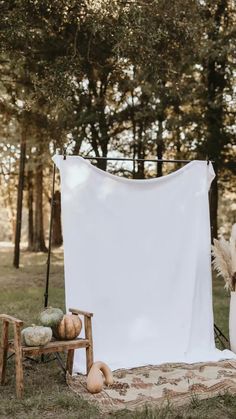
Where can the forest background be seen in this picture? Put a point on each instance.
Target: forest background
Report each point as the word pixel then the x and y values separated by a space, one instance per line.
pixel 138 79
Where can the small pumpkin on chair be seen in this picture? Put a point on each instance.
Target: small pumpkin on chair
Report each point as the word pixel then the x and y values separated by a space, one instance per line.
pixel 68 328
pixel 36 335
pixel 51 316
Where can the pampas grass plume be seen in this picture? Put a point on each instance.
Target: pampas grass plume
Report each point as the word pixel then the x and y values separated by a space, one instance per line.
pixel 224 262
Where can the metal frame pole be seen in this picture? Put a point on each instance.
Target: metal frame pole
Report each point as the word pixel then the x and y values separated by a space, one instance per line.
pixel 134 160
pixel 50 238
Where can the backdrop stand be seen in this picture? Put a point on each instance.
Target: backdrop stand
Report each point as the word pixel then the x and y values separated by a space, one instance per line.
pixel 218 333
pixel 50 238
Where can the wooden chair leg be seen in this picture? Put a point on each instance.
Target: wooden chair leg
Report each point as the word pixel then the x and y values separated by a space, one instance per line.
pixel 89 349
pixel 18 362
pixel 70 361
pixel 3 352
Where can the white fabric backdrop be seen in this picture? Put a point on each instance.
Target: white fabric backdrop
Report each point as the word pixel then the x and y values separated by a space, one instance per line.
pixel 137 254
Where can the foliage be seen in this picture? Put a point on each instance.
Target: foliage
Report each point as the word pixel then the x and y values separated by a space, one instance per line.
pixel 134 78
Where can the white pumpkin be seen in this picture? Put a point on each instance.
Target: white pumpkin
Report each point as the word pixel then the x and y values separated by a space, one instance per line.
pixel 36 335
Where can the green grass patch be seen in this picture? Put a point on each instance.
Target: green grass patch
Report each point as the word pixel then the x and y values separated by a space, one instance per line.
pixel 46 393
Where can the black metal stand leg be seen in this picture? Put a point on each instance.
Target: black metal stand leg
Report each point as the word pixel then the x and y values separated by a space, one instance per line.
pixel 60 363
pixel 50 239
pixel 224 341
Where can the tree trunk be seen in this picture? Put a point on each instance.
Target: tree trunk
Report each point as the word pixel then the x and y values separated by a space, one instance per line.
pixel 104 140
pixel 30 211
pixel 216 82
pixel 160 148
pixel 56 222
pixel 99 134
pixel 20 189
pixel 132 117
pixel 214 120
pixel 39 240
pixel 10 204
pixel 140 154
pixel 176 129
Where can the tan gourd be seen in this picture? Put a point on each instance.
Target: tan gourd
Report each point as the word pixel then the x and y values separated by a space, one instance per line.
pixel 68 328
pixel 98 374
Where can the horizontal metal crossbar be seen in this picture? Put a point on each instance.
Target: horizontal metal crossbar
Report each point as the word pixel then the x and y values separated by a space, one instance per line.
pixel 135 160
pixel 141 160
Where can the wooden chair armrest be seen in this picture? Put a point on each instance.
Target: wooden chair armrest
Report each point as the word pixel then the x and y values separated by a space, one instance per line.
pixel 10 319
pixel 83 313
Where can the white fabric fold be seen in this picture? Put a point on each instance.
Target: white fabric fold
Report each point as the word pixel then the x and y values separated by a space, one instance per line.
pixel 137 254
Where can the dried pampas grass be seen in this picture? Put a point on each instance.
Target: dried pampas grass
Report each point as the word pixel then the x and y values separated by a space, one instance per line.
pixel 224 259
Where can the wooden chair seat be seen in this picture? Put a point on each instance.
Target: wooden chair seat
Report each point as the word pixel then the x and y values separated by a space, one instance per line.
pixel 21 351
pixel 51 347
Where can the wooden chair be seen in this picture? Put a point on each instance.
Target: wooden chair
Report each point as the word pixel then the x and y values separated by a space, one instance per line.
pixel 21 351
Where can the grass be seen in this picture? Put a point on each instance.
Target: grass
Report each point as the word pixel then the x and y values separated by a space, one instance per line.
pixel 221 305
pixel 46 393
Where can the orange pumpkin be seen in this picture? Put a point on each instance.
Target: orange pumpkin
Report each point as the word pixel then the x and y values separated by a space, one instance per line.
pixel 68 328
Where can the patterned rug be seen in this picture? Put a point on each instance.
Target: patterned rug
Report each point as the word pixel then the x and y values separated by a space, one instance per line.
pixel 155 385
